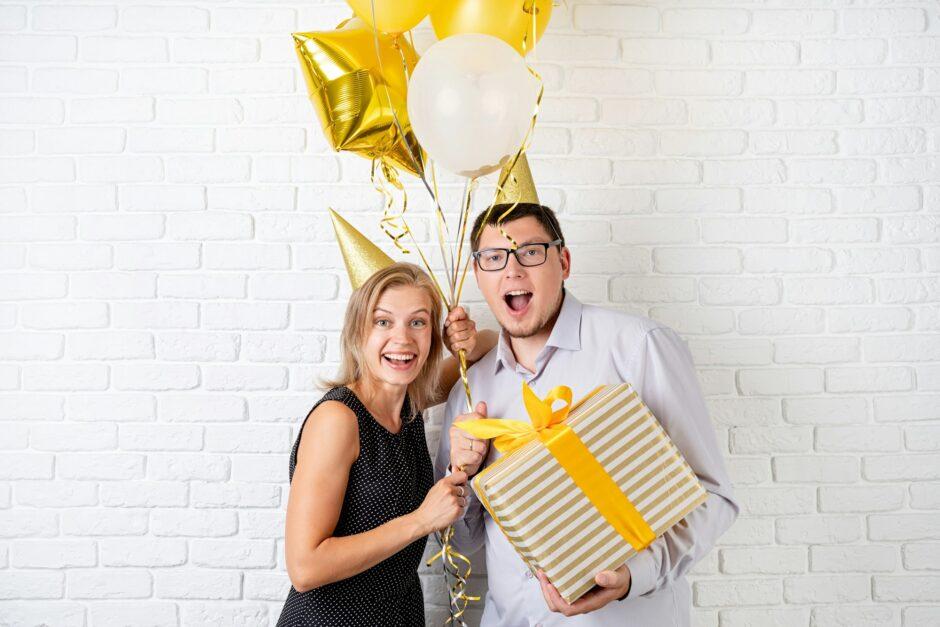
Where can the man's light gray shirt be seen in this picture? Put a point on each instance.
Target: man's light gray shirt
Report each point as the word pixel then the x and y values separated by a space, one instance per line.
pixel 590 346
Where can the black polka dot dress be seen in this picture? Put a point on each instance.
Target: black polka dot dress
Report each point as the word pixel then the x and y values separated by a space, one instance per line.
pixel 390 478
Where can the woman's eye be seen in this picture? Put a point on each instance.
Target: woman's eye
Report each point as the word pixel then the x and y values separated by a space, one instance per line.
pixel 382 322
pixel 419 323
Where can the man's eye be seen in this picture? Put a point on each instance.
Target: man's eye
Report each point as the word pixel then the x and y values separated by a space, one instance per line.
pixel 494 257
pixel 531 252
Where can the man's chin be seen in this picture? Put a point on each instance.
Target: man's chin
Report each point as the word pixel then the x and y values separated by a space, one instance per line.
pixel 520 328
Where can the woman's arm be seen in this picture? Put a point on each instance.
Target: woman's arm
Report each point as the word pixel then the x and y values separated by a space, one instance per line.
pixel 460 333
pixel 328 447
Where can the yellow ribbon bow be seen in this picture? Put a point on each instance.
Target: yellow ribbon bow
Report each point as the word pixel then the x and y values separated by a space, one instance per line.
pixel 563 443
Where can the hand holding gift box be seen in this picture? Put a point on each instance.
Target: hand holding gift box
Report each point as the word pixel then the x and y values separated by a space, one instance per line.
pixel 583 488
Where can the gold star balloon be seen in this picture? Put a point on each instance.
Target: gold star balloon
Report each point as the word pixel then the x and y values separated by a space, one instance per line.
pixel 357 79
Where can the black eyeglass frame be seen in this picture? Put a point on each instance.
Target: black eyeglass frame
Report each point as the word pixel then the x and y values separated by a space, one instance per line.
pixel 514 251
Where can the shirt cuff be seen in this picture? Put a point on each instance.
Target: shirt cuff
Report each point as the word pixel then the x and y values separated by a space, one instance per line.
pixel 642 577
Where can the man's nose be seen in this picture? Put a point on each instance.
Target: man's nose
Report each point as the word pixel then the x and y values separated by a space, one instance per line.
pixel 513 267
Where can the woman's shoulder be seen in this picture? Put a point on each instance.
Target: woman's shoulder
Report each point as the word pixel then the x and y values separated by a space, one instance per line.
pixel 332 419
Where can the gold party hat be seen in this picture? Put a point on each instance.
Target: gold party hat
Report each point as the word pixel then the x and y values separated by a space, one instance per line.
pixel 519 186
pixel 362 257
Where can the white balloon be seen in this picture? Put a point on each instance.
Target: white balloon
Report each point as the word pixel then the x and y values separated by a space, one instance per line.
pixel 470 102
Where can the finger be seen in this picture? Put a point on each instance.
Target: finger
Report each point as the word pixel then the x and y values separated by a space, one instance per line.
pixel 543 583
pixel 481 409
pixel 457 313
pixel 456 478
pixel 611 579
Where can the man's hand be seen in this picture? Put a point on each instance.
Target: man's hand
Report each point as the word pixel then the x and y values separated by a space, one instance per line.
pixel 467 452
pixel 611 585
pixel 460 333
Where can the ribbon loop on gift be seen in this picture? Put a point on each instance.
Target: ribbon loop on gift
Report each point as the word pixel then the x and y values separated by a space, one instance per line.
pixel 548 426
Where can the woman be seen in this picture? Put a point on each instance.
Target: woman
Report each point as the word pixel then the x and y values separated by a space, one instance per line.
pixel 361 502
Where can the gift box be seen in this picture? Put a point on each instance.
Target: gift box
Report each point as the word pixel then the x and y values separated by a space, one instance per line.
pixel 587 486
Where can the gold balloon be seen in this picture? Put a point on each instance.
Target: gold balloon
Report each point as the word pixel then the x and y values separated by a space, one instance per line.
pixel 393 16
pixel 358 94
pixel 362 257
pixel 510 20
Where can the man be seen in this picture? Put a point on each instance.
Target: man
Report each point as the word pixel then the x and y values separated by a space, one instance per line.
pixel 549 338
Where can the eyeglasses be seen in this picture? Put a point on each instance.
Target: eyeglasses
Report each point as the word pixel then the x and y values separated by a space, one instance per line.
pixel 494 259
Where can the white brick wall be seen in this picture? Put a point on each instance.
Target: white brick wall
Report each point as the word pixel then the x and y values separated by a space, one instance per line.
pixel 764 177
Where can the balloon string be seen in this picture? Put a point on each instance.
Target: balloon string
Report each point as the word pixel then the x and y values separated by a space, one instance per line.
pixel 507 170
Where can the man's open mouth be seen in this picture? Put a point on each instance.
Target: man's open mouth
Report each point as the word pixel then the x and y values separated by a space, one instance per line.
pixel 517 300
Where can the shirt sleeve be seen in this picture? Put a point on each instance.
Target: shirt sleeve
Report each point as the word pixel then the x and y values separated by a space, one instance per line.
pixel 469 531
pixel 662 372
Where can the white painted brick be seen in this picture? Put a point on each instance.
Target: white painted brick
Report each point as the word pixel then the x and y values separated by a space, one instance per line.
pixel 878 81
pixel 816 469
pixel 65 377
pixel 36 170
pixel 15 436
pixel 698 82
pixel 165 80
pixel 141 494
pixel 760 53
pixel 885 379
pixel 193 523
pixel 31 110
pixel 111 110
pixel 251 80
pixel 113 285
pixel 740 172
pixel 630 112
pixel 777 616
pixel 265 586
pixel 920 616
pixel 109 583
pixel 881 348
pixel 33 48
pixel 827 589
pixel 643 289
pixel 256 140
pixel 209 225
pixel 201 408
pixel 818 529
pixel 199 111
pixel 727 352
pixel 705 21
pixel 243 377
pixel 292 286
pixel 159 315
pixel 259 468
pixel 156 377
pixel 198 346
pixel 73 437
pixel 110 345
pixel 165 19
pixel 31 585
pixel 922 438
pixel 25 286
pixel 789 82
pixel 30 346
pixel 734 113
pixel 282 348
pixel 123 49
pixel 12 199
pixel 51 494
pixel 790 23
pixel 816 350
pixel 614 142
pixel 84 81
pixel 241 495
pixel 617 18
pixel 36 228
pixel 231 613
pixel 860 498
pixel 763 561
pixel 72 198
pixel 164 140
pixel 207 169
pixel 840 52
pixel 780 381
pixel 12 18
pixel 202 286
pixel 104 522
pixel 903 527
pixel 143 437
pixel 158 256
pixel 269 198
pixel 247 256
pixel 31 407
pixel 191 583
pixel 123 169
pixel 905 588
pixel 826 410
pixel 859 319
pixel 920 556
pixel 739 592
pixel 254 20
pixel 111 407
pixel 255 316
pixel 232 553
pixel 17 142
pixel 215 50
pixel 794 142
pixel 710 260
pixel 104 466
pixel 619 82
pixel 882 21
pixel 912 230
pixel 907 467
pixel 148 552
pixel 781 321
pixel 749 440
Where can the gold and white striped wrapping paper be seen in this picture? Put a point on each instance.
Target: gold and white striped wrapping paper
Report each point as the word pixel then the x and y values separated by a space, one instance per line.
pixel 552 524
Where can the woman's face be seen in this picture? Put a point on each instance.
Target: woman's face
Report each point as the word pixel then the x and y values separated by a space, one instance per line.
pixel 398 338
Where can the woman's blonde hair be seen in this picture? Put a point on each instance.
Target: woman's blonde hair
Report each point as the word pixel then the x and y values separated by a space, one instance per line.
pixel 358 322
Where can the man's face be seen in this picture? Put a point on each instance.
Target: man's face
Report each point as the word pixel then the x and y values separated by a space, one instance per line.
pixel 523 298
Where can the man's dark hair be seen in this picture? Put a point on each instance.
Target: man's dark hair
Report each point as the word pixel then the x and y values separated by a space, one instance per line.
pixel 545 216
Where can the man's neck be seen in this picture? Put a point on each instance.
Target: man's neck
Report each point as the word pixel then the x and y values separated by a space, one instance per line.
pixel 526 349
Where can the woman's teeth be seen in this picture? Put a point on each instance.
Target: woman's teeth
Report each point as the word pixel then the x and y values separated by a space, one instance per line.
pixel 401 358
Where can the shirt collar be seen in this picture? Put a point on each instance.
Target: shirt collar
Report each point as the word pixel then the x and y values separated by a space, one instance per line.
pixel 566 334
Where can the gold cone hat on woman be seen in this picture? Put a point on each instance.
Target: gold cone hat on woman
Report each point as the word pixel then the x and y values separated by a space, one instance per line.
pixel 519 186
pixel 362 257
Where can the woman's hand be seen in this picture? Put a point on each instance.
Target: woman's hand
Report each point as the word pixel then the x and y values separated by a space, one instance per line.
pixel 460 332
pixel 444 503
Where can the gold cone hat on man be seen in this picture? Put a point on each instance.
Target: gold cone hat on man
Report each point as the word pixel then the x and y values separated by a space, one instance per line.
pixel 519 186
pixel 362 257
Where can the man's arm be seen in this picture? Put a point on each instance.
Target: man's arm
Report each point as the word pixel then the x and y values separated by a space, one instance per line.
pixel 662 372
pixel 468 531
